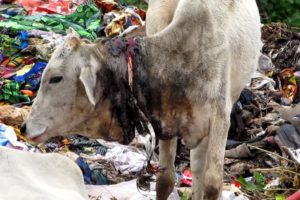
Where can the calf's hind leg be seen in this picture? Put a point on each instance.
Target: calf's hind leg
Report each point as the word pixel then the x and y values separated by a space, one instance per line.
pixel 207 160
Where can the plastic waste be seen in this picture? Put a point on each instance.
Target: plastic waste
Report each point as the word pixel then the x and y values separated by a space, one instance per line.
pixel 8 138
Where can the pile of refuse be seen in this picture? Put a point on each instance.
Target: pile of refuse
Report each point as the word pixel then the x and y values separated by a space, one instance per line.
pixel 30 31
pixel 262 156
pixel 262 151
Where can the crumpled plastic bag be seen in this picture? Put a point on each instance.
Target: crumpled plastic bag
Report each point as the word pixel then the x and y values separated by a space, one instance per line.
pixel 295 154
pixel 126 160
pixel 260 81
pixel 8 138
pixel 229 195
pixel 265 65
pixel 124 191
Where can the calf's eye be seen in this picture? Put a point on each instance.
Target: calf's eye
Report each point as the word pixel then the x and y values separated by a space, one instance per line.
pixel 55 79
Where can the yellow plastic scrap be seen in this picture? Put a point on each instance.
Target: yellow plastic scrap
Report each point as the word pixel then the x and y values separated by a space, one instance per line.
pixel 113 28
pixel 21 137
pixel 66 148
pixel 41 147
pixel 24 70
pixel 18 133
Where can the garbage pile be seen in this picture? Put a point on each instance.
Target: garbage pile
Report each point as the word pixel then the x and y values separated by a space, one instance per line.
pixel 263 148
pixel 29 33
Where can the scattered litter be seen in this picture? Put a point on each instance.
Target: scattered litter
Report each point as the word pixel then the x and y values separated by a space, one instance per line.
pixel 124 191
pixel 263 148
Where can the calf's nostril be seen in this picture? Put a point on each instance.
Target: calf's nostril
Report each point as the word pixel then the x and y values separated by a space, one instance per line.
pixel 23 129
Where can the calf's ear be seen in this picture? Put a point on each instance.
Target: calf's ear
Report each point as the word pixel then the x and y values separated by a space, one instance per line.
pixel 71 31
pixel 71 42
pixel 88 77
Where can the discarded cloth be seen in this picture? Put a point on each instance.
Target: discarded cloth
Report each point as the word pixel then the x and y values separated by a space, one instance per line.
pixel 98 178
pixel 80 145
pixel 288 140
pixel 11 45
pixel 86 171
pixel 287 136
pixel 47 7
pixel 85 21
pixel 10 92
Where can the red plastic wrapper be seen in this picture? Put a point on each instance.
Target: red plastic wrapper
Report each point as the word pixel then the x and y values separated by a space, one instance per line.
pixel 141 13
pixel 236 184
pixel 46 6
pixel 186 177
pixel 106 5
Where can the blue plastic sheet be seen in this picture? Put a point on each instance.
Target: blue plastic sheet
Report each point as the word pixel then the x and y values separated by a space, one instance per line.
pixel 85 170
pixel 33 76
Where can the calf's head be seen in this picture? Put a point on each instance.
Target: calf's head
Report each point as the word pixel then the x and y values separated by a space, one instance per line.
pixel 71 95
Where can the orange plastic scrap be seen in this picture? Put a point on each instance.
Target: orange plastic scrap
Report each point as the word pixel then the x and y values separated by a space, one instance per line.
pixel 141 13
pixel 27 92
pixel 65 141
pixel 289 88
pixel 107 5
